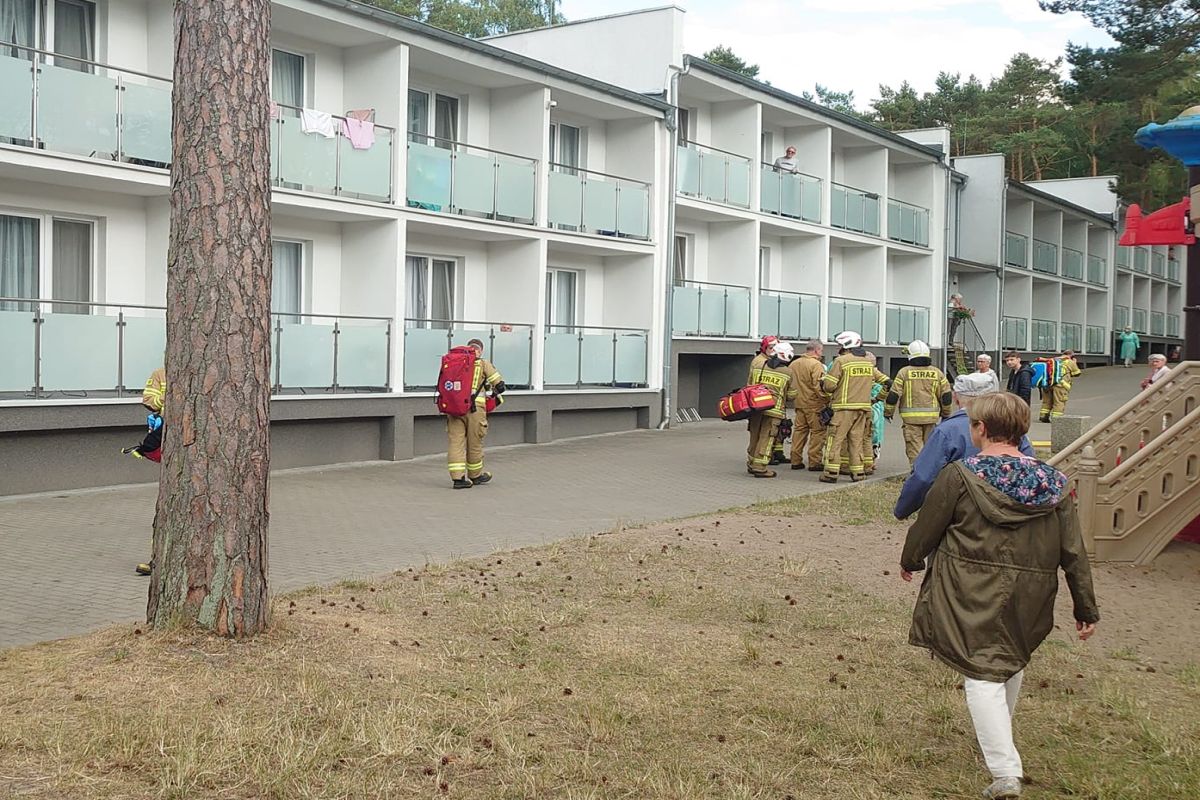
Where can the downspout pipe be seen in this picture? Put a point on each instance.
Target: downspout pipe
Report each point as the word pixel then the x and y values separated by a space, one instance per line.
pixel 946 206
pixel 672 117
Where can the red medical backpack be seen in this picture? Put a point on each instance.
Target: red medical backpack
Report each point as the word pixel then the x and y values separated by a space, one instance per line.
pixel 454 387
pixel 741 403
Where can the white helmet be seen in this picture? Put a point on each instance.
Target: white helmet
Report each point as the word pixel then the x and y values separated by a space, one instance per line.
pixel 918 349
pixel 783 351
pixel 848 339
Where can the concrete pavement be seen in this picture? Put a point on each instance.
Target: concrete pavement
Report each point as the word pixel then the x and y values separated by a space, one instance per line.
pixel 69 556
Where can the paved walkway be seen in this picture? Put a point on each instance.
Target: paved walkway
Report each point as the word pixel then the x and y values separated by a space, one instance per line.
pixel 68 557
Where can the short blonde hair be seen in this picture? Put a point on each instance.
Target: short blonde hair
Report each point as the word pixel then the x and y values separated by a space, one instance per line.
pixel 1005 416
pixel 1158 357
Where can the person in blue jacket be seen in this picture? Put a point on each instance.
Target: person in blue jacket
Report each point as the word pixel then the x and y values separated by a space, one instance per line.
pixel 949 442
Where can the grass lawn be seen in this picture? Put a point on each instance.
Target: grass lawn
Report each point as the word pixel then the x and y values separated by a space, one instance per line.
pixel 704 658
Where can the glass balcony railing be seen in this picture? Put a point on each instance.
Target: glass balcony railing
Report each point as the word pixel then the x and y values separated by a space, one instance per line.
pixel 908 223
pixel 579 356
pixel 712 174
pixel 1141 260
pixel 1072 336
pixel 854 315
pixel 1172 325
pixel 1014 333
pixel 1072 264
pixel 1121 317
pixel 789 194
pixel 1045 336
pixel 1097 270
pixel 1139 320
pixel 593 202
pixel 789 315
pixel 1158 265
pixel 853 209
pixel 1016 250
pixel 1158 323
pixel 1095 339
pixel 1173 270
pixel 69 105
pixel 1123 258
pixel 459 178
pixel 710 309
pixel 316 163
pixel 1045 257
pixel 509 346
pixel 108 350
pixel 903 323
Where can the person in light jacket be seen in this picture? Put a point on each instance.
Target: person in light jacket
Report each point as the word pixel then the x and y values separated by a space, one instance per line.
pixel 996 529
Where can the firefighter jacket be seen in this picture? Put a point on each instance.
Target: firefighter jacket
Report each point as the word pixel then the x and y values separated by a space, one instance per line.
pixel 1067 370
pixel 849 382
pixel 921 392
pixel 155 393
pixel 773 374
pixel 807 371
pixel 486 377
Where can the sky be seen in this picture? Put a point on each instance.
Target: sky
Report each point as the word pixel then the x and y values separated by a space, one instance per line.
pixel 859 44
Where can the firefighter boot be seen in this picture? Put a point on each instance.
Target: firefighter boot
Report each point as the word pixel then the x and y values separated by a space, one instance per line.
pixel 482 477
pixel 143 569
pixel 463 483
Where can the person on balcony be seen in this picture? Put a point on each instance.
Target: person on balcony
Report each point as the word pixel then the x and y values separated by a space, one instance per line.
pixel 1158 370
pixel 1129 346
pixel 787 161
pixel 996 529
pixel 957 310
pixel 1020 377
pixel 983 366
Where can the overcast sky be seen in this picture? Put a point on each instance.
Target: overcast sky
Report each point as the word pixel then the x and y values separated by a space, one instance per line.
pixel 859 44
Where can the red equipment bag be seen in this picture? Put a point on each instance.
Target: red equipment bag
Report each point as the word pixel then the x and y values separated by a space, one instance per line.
pixel 454 391
pixel 741 403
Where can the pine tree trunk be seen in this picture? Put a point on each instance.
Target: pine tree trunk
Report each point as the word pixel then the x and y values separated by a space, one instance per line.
pixel 210 528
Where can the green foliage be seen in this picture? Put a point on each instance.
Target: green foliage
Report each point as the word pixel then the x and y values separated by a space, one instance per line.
pixel 723 56
pixel 842 102
pixel 477 18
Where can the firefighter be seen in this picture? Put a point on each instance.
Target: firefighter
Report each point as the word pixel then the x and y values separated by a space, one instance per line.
pixel 870 451
pixel 1059 374
pixel 464 456
pixel 849 382
pixel 153 398
pixel 923 396
pixel 807 372
pixel 773 373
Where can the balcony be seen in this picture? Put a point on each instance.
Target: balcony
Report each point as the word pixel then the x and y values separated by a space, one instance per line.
pixel 715 175
pixel 509 346
pixel 1141 260
pixel 463 179
pixel 1139 320
pixel 593 202
pixel 1014 333
pixel 1072 336
pixel 853 209
pixel 903 323
pixel 1173 325
pixel 1173 270
pixel 316 163
pixel 584 356
pixel 1072 264
pixel 710 309
pixel 1120 317
pixel 854 315
pixel 1045 336
pixel 1123 258
pixel 1158 265
pixel 1095 340
pixel 1045 257
pixel 908 223
pixel 108 350
pixel 1097 270
pixel 789 194
pixel 1016 250
pixel 789 315
pixel 1158 324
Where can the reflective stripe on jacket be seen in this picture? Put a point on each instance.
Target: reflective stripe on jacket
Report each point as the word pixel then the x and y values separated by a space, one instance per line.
pixel 849 382
pixel 485 377
pixel 922 394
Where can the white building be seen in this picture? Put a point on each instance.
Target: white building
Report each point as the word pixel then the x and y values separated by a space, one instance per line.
pixel 502 198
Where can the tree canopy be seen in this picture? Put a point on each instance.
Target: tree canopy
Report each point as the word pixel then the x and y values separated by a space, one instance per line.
pixel 723 56
pixel 477 18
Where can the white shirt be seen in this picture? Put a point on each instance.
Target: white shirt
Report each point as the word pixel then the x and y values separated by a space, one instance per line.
pixel 1159 374
pixel 993 377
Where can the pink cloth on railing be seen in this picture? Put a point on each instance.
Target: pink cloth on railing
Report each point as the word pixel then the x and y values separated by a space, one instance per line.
pixel 360 133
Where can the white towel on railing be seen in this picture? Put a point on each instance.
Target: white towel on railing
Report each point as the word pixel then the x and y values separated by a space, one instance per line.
pixel 312 121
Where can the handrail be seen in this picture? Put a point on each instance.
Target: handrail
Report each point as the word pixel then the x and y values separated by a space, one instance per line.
pixel 747 159
pixel 554 165
pixel 412 134
pixel 1130 464
pixel 79 303
pixel 906 305
pixel 600 328
pixel 858 300
pixel 76 59
pixel 686 281
pixel 468 322
pixel 789 171
pixel 900 202
pixel 863 192
pixel 790 292
pixel 335 116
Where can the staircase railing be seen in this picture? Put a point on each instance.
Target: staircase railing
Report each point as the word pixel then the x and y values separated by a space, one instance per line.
pixel 966 343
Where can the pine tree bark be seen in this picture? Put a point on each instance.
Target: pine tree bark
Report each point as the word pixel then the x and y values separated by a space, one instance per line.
pixel 210 527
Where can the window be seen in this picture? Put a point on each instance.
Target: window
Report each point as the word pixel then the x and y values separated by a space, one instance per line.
pixel 60 26
pixel 46 257
pixel 287 78
pixel 19 25
pixel 564 145
pixel 74 27
pixel 430 299
pixel 287 271
pixel 768 146
pixel 682 270
pixel 683 125
pixel 442 125
pixel 561 296
pixel 764 267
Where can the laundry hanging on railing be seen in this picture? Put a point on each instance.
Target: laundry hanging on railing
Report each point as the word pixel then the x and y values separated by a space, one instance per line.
pixel 319 122
pixel 360 133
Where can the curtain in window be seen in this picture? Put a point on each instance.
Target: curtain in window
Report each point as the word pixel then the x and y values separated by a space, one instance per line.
pixel 567 152
pixel 287 264
pixel 17 25
pixel 287 79
pixel 19 243
pixel 415 306
pixel 71 265
pixel 74 33
pixel 563 289
pixel 445 120
pixel 418 115
pixel 442 297
pixel 680 260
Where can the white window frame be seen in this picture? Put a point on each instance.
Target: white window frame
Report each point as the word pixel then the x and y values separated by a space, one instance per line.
pixel 46 11
pixel 580 141
pixel 431 96
pixel 455 294
pixel 302 288
pixel 45 267
pixel 688 267
pixel 764 267
pixel 304 82
pixel 552 279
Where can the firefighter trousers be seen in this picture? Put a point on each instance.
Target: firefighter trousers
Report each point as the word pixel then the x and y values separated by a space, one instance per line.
pixel 762 439
pixel 464 455
pixel 1054 401
pixel 847 429
pixel 808 426
pixel 915 437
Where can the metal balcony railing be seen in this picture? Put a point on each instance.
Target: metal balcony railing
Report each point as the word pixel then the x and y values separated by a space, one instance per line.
pixel 1121 317
pixel 1072 264
pixel 789 315
pixel 1141 260
pixel 1124 258
pixel 1045 257
pixel 854 315
pixel 581 356
pixel 316 163
pixel 596 202
pixel 1158 324
pixel 908 223
pixel 904 323
pixel 1172 325
pixel 713 174
pixel 1139 320
pixel 1014 333
pixel 853 209
pixel 508 345
pixel 1097 270
pixel 1045 336
pixel 1072 336
pixel 460 178
pixel 1016 250
pixel 1158 265
pixel 699 308
pixel 1096 340
pixel 794 195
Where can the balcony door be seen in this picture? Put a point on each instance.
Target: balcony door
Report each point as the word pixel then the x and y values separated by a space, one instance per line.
pixel 46 258
pixel 287 80
pixel 562 300
pixel 67 27
pixel 565 146
pixel 287 276
pixel 429 302
pixel 432 118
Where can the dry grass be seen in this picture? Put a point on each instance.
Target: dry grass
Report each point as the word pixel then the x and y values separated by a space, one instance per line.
pixel 677 661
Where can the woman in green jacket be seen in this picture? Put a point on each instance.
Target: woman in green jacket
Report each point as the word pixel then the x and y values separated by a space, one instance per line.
pixel 1129 345
pixel 996 527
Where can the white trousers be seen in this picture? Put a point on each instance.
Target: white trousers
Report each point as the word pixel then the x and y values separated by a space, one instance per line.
pixel 991 705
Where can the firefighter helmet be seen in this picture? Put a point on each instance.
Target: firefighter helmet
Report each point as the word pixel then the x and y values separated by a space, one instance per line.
pixel 917 349
pixel 767 343
pixel 783 351
pixel 848 339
